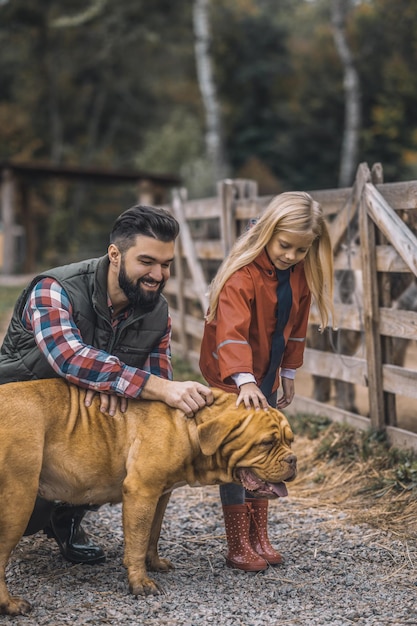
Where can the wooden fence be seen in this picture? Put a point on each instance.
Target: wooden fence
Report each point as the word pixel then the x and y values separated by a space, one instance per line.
pixel 387 245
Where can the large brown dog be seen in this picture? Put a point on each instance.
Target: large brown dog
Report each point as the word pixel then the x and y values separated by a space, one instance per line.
pixel 51 444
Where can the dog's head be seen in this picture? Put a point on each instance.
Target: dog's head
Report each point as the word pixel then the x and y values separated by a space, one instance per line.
pixel 253 447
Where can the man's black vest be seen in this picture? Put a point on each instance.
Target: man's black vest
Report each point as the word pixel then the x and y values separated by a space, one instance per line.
pixel 86 286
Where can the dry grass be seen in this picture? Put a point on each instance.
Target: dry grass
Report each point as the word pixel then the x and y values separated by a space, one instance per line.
pixel 357 473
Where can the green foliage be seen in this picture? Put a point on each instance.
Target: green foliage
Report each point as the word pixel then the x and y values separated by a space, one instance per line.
pixel 386 60
pixel 93 89
pixel 120 90
pixel 406 473
pixel 180 134
pixel 253 72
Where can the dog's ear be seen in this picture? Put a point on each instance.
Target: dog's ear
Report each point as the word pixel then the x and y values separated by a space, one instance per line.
pixel 212 433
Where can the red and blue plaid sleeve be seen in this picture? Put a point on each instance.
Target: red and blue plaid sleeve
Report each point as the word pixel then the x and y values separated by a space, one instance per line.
pixel 48 314
pixel 159 360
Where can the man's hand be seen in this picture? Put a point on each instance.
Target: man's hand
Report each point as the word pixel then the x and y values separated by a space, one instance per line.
pixel 189 396
pixel 108 403
pixel 251 395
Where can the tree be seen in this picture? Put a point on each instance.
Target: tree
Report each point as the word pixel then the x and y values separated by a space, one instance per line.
pixel 350 143
pixel 204 64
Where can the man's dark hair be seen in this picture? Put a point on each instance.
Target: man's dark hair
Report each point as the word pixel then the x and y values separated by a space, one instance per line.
pixel 144 220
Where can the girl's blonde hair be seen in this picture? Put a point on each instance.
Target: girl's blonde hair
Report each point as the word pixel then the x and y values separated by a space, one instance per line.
pixel 294 212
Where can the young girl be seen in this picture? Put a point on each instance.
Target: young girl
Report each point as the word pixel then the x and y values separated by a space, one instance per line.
pixel 254 337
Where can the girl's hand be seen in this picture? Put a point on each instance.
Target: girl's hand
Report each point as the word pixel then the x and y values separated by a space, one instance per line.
pixel 288 391
pixel 251 395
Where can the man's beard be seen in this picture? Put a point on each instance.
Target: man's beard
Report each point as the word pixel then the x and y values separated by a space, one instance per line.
pixel 135 293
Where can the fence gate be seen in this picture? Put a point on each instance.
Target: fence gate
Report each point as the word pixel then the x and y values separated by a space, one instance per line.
pixel 371 226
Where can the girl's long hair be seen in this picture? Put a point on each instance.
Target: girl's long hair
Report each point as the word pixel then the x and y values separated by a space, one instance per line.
pixel 294 212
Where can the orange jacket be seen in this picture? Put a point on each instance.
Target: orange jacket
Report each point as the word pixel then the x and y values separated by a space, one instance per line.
pixel 239 339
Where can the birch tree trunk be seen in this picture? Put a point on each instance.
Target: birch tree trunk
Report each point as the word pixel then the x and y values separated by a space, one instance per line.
pixel 214 138
pixel 350 143
pixel 88 14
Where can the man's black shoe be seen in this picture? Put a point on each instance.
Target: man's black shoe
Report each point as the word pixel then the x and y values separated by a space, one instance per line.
pixel 75 546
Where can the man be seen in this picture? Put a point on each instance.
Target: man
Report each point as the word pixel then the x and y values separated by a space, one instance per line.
pixel 102 324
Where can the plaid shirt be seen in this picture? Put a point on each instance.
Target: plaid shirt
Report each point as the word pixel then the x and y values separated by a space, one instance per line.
pixel 48 314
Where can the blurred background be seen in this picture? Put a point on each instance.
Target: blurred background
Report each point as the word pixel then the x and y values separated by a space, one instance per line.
pixel 291 93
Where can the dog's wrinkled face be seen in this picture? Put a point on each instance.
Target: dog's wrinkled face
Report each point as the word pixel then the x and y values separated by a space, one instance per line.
pixel 255 448
pixel 269 461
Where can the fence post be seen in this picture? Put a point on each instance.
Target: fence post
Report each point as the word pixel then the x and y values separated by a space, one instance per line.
pixel 385 300
pixel 371 307
pixel 229 192
pixel 226 195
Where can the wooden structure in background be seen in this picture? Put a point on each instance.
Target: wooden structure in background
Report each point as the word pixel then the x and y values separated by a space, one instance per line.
pixel 208 229
pixel 16 180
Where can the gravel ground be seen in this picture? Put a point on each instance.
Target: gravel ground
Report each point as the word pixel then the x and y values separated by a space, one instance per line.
pixel 335 573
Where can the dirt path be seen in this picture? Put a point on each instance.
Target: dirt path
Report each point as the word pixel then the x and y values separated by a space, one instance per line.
pixel 335 573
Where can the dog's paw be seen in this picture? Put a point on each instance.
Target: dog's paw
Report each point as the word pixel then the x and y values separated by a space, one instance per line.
pixel 15 606
pixel 156 564
pixel 143 586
